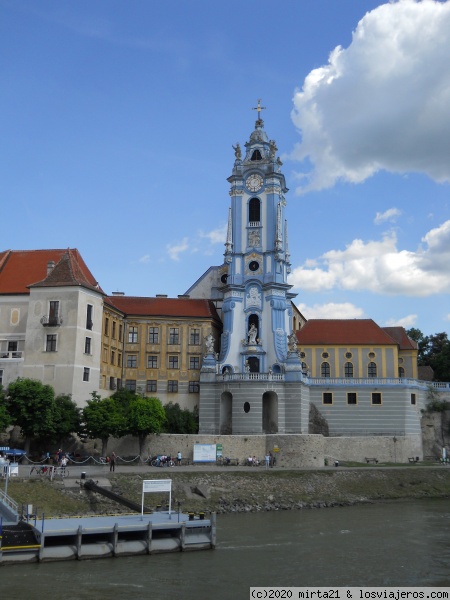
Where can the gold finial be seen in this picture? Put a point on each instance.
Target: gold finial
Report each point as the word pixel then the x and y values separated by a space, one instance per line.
pixel 259 108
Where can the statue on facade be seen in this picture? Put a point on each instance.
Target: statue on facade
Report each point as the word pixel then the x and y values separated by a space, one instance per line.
pixel 252 333
pixel 292 342
pixel 272 149
pixel 237 151
pixel 209 343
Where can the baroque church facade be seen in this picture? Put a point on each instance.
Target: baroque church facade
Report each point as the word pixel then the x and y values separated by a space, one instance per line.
pixel 234 344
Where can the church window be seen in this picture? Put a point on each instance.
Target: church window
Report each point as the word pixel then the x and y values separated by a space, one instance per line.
pixel 372 369
pixel 173 362
pixel 327 398
pixel 256 155
pixel 325 369
pixel 194 387
pixel 131 361
pixel 194 338
pixel 348 355
pixel 132 335
pixel 174 335
pixel 86 373
pixel 413 398
pixel 246 407
pixel 153 335
pixel 87 345
pixel 401 372
pixel 254 210
pixel 348 369
pixel 371 354
pixel 302 355
pixel 89 312
pixel 376 398
pixel 172 386
pixel 352 398
pixel 325 355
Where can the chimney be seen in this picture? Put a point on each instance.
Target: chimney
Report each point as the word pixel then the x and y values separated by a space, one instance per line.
pixel 118 293
pixel 161 296
pixel 50 266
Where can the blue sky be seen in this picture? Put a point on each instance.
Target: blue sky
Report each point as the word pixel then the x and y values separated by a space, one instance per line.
pixel 118 118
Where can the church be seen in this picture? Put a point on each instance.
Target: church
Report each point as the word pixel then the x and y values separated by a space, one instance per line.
pixel 234 344
pixel 273 365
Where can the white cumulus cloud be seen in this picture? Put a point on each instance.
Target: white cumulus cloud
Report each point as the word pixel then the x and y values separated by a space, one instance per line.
pixel 406 322
pixel 383 103
pixel 331 310
pixel 175 250
pixel 388 215
pixel 380 267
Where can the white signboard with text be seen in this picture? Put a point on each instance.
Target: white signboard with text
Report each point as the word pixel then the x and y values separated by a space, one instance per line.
pixel 157 485
pixel 205 453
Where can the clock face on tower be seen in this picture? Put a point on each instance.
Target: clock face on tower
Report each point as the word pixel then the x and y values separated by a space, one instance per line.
pixel 254 182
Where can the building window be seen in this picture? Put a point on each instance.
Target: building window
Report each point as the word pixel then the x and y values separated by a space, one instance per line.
pixel 130 385
pixel 325 355
pixel 174 335
pixel 119 384
pixel 53 313
pixel 194 362
pixel 413 398
pixel 113 357
pixel 194 387
pixel 173 362
pixel 153 335
pixel 87 345
pixel 254 211
pixel 152 362
pixel 372 369
pixel 1 376
pixel 105 354
pixel 106 326
pixel 132 335
pixel 131 361
pixel 120 332
pixel 348 355
pixel 327 398
pixel 86 372
pixel 194 338
pixel 325 369
pixel 348 369
pixel 352 398
pixel 50 345
pixel 119 360
pixel 113 334
pixel 401 372
pixel 13 346
pixel 112 384
pixel 151 385
pixel 89 316
pixel 172 386
pixel 256 156
pixel 376 397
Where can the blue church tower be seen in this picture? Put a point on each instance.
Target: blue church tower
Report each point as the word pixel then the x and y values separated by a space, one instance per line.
pixel 244 387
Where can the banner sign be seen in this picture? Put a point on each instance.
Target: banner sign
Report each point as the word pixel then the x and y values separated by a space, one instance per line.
pixel 204 452
pixel 157 485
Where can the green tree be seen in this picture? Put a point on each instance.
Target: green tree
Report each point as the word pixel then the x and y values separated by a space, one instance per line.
pixel 67 418
pixel 180 420
pixel 101 419
pixel 145 415
pixel 5 419
pixel 31 406
pixel 433 351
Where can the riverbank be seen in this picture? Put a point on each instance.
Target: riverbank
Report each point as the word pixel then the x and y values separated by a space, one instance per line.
pixel 236 491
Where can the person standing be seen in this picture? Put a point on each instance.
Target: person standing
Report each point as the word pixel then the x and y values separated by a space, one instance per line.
pixel 267 460
pixel 112 462
pixel 179 458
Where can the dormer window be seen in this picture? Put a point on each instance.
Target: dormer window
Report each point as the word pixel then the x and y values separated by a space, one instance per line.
pixel 256 155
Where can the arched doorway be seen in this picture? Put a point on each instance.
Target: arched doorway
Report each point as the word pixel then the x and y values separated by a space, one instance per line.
pixel 270 412
pixel 226 412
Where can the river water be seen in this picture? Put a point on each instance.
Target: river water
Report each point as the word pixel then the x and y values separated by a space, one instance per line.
pixel 394 544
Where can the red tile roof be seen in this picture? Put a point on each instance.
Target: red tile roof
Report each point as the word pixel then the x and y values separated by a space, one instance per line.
pixel 163 307
pixel 346 332
pixel 399 335
pixel 19 269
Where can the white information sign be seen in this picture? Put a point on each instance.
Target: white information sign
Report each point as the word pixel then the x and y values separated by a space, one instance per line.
pixel 204 452
pixel 157 485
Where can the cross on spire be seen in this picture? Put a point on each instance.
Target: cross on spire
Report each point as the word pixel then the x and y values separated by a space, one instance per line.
pixel 259 108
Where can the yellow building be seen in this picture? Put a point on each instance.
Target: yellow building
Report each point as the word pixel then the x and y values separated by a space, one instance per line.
pixel 155 346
